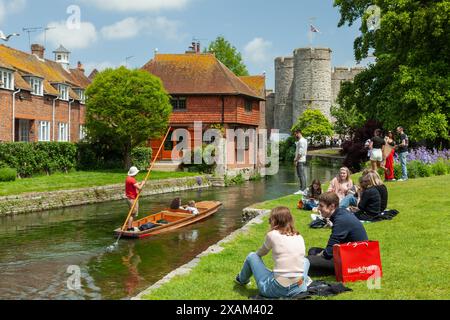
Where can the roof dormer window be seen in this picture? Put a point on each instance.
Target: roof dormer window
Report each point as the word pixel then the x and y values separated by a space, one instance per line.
pixel 63 92
pixel 6 79
pixel 37 86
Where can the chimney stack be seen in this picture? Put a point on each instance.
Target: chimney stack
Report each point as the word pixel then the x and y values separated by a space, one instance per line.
pixel 197 47
pixel 38 50
pixel 80 67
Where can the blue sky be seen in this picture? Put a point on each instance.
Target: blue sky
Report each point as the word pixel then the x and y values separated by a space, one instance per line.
pixel 111 30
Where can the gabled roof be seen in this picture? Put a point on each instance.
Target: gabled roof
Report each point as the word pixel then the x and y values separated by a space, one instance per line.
pixel 61 49
pixel 256 83
pixel 25 64
pixel 201 74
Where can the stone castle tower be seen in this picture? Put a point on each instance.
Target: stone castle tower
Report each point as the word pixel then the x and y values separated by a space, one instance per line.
pixel 305 81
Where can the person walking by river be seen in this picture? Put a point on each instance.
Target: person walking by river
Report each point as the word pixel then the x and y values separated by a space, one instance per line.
pixel 301 152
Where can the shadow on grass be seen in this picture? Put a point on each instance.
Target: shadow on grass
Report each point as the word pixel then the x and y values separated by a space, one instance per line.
pixel 245 292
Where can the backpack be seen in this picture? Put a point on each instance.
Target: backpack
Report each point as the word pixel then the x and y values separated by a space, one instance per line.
pixel 147 226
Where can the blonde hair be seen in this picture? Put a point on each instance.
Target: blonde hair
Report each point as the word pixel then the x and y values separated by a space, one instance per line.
pixel 374 178
pixel 191 203
pixel 281 220
pixel 349 174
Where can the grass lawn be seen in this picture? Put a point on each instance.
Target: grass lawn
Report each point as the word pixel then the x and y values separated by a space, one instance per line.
pixel 414 249
pixel 329 152
pixel 79 179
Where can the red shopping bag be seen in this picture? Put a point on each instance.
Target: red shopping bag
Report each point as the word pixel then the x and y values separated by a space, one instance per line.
pixel 357 261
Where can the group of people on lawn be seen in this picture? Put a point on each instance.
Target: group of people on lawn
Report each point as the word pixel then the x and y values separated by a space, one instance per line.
pixel 344 206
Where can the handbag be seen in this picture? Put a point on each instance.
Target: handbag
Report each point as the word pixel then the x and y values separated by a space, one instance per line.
pixel 357 261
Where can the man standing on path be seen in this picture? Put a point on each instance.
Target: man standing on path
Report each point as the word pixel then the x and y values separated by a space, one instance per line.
pixel 131 190
pixel 402 150
pixel 300 159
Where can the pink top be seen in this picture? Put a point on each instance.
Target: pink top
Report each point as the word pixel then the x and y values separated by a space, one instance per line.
pixel 341 189
pixel 288 254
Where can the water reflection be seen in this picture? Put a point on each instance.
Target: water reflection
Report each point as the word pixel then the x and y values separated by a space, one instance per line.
pixel 36 249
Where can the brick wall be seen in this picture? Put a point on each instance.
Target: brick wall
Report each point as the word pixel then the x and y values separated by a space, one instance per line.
pixel 36 108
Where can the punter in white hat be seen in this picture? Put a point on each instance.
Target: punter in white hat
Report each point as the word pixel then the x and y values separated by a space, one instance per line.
pixel 132 189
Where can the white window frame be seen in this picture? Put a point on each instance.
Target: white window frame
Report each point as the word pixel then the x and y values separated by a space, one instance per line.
pixel 82 94
pixel 40 84
pixel 63 92
pixel 44 131
pixel 63 132
pixel 6 79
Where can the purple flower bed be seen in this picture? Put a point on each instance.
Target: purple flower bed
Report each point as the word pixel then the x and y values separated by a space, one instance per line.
pixel 427 156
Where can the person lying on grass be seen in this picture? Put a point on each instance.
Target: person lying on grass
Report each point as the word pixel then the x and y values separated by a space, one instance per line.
pixel 346 228
pixel 290 275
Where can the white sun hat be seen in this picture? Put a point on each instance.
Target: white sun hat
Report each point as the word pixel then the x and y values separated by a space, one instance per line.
pixel 133 172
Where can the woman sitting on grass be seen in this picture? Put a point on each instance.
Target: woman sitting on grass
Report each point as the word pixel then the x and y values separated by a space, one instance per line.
pixel 290 275
pixel 312 194
pixel 369 205
pixel 342 184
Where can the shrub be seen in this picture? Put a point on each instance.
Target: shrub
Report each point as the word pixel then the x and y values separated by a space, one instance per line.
pixel 287 150
pixel 413 169
pixel 40 157
pixel 439 168
pixel 398 171
pixel 8 174
pixel 141 157
pixel 425 170
pixel 94 155
pixel 237 180
pixel 203 167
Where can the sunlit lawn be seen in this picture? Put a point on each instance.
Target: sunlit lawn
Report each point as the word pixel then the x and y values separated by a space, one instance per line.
pixel 414 249
pixel 76 180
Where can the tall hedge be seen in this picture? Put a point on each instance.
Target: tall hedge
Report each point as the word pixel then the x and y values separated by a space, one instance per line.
pixel 40 157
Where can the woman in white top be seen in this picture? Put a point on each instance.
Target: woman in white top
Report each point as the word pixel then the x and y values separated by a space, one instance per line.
pixel 290 275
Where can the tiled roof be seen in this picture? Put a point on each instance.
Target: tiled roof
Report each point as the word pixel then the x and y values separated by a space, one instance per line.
pixel 197 74
pixel 52 72
pixel 256 83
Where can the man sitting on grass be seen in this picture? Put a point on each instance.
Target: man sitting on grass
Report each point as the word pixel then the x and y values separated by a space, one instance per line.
pixel 346 228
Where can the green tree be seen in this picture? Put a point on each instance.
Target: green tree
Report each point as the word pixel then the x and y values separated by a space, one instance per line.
pixel 127 106
pixel 228 55
pixel 314 125
pixel 347 121
pixel 409 84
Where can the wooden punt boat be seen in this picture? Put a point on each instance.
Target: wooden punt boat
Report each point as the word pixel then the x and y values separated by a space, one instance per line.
pixel 176 219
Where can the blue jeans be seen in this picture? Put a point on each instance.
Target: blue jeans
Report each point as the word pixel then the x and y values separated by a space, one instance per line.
pixel 301 173
pixel 348 201
pixel 265 280
pixel 403 160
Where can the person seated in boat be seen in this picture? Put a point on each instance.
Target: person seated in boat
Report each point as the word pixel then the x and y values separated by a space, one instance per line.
pixel 176 204
pixel 290 275
pixel 132 188
pixel 191 207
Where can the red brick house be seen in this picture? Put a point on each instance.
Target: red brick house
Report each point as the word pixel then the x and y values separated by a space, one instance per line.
pixel 40 99
pixel 203 89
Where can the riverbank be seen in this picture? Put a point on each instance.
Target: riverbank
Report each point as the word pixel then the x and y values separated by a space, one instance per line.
pixel 79 180
pixel 41 201
pixel 412 248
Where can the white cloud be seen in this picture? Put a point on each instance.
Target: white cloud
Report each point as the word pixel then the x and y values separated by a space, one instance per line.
pixel 73 38
pixel 127 28
pixel 10 7
pixel 132 27
pixel 138 5
pixel 257 51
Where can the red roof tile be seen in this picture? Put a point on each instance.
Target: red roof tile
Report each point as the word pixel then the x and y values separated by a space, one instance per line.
pixel 197 74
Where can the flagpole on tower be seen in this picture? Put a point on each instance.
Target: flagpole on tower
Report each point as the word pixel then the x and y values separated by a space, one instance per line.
pixel 312 29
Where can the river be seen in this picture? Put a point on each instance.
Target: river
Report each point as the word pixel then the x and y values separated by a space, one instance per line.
pixel 37 249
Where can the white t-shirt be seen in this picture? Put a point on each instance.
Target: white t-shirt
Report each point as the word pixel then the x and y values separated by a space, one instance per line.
pixel 193 210
pixel 288 254
pixel 301 149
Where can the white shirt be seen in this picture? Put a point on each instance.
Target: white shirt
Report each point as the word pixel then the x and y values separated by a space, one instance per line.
pixel 301 149
pixel 194 211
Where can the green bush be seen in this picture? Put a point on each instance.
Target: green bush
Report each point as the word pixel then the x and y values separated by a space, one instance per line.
pixel 237 180
pixel 203 167
pixel 425 170
pixel 96 155
pixel 141 157
pixel 398 171
pixel 287 150
pixel 40 157
pixel 8 174
pixel 413 169
pixel 439 168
